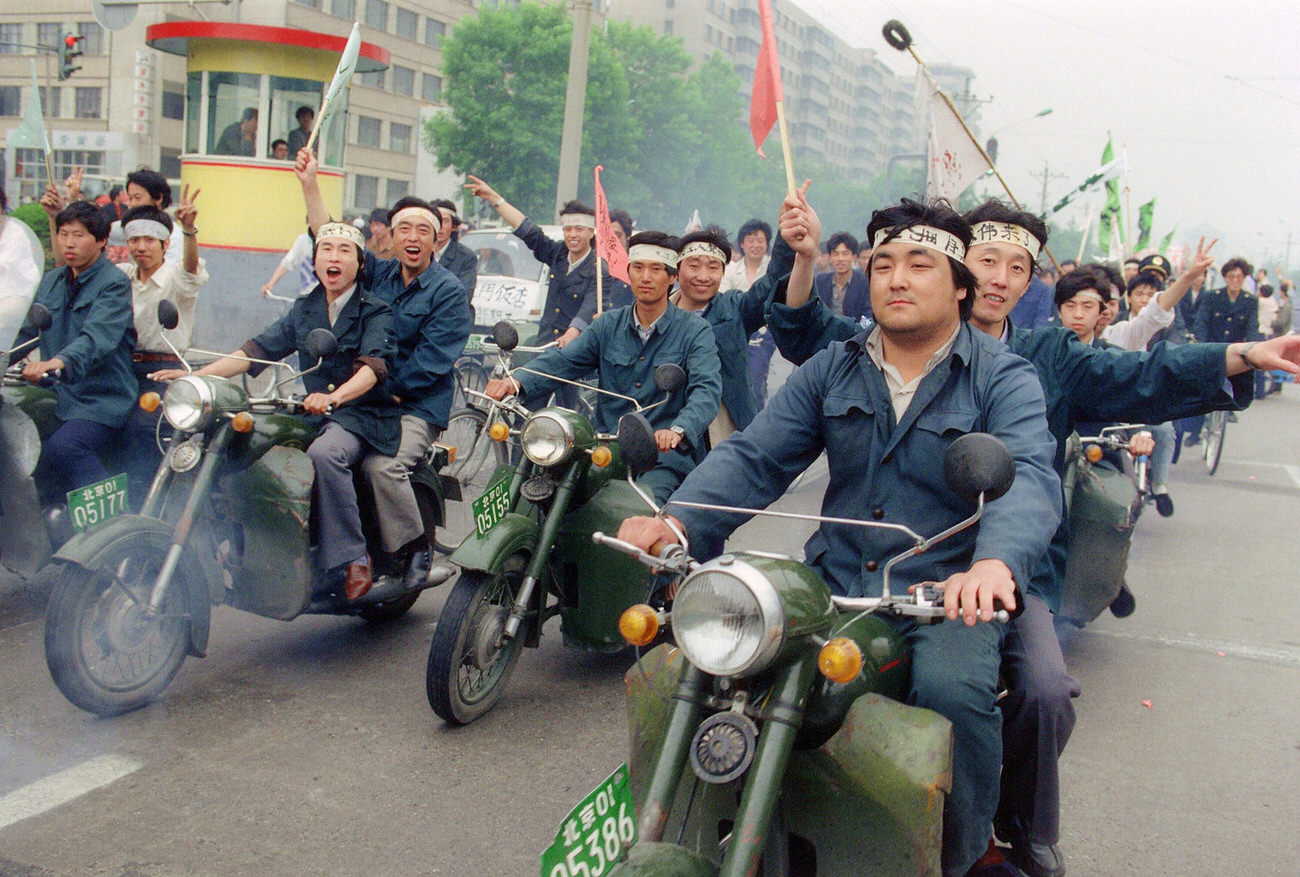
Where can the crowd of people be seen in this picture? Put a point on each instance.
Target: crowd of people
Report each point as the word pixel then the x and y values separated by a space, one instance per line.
pixel 935 324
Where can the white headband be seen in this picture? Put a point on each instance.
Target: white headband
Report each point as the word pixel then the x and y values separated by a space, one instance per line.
pixel 1008 232
pixel 702 248
pixel 345 230
pixel 582 220
pixel 925 236
pixel 652 253
pixel 146 228
pixel 1090 294
pixel 406 212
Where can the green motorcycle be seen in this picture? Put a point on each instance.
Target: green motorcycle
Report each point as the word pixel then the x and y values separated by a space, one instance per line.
pixel 770 739
pixel 530 556
pixel 227 520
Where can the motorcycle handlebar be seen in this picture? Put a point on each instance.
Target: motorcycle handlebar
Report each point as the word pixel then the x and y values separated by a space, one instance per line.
pixel 665 555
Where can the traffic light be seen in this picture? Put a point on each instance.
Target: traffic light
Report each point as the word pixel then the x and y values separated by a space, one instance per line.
pixel 69 51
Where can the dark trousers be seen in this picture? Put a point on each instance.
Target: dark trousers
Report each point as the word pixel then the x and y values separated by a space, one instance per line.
pixel 70 458
pixel 761 347
pixel 1037 719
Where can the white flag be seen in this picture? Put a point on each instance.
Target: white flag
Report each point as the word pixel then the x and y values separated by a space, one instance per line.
pixel 955 160
pixel 343 73
pixel 694 223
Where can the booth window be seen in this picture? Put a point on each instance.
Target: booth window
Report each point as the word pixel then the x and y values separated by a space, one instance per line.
pixel 234 124
pixel 289 97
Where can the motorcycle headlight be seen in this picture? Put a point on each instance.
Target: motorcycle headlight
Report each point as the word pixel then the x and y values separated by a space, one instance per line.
pixel 188 404
pixel 547 439
pixel 727 618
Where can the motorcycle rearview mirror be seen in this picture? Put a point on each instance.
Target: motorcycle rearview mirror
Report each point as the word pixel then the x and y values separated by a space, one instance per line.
pixel 505 335
pixel 979 463
pixel 636 442
pixel 321 343
pixel 168 316
pixel 670 377
pixel 39 316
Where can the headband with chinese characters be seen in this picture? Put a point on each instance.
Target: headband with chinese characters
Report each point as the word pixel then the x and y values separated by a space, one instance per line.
pixel 924 236
pixel 582 220
pixel 413 211
pixel 1091 295
pixel 652 253
pixel 702 248
pixel 1007 232
pixel 345 230
pixel 146 228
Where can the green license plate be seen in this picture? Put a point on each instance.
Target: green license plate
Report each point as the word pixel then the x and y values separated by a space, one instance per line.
pixel 492 505
pixel 474 342
pixel 594 836
pixel 94 503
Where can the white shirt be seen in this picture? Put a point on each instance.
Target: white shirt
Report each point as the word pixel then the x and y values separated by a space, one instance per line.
pixel 736 277
pixel 338 304
pixel 171 282
pixel 900 391
pixel 298 262
pixel 1134 333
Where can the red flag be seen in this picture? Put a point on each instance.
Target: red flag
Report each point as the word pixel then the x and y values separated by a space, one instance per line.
pixel 767 81
pixel 608 246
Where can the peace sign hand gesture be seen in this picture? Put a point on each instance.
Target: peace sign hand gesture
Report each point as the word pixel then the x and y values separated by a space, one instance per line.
pixel 186 212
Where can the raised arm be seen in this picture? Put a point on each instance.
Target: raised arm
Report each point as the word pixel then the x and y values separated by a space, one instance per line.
pixel 304 167
pixel 507 211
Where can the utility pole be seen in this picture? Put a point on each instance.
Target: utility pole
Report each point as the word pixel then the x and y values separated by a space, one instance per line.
pixel 575 102
pixel 1047 176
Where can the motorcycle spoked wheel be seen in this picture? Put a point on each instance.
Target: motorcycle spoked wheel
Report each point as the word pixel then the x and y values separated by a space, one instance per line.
pixel 105 653
pixel 467 672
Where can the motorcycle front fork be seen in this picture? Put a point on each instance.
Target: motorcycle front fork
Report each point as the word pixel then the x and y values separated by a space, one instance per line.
pixel 541 553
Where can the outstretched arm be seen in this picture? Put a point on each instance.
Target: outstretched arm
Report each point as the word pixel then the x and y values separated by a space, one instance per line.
pixel 304 167
pixel 507 211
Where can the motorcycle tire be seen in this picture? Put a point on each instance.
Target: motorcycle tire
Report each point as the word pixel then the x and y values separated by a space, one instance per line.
pixel 104 653
pixel 477 457
pixel 1217 426
pixel 467 672
pixel 389 610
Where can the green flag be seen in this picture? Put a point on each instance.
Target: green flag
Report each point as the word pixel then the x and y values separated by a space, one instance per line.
pixel 1167 240
pixel 30 133
pixel 1144 224
pixel 1111 210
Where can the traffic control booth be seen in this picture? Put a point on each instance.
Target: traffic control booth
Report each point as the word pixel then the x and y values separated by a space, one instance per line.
pixel 251 208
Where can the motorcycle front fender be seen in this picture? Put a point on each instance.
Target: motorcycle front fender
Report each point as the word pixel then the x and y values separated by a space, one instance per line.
pixel 201 578
pixel 512 534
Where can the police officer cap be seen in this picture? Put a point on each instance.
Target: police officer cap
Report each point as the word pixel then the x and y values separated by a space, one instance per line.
pixel 1156 264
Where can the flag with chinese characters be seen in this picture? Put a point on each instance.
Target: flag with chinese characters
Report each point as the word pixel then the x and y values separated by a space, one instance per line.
pixel 608 246
pixel 1110 219
pixel 767 81
pixel 955 159
pixel 1145 214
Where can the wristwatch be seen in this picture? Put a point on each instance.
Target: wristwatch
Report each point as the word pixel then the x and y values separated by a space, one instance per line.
pixel 1244 353
pixel 681 433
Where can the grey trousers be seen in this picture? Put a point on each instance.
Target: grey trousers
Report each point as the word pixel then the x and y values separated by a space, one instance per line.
pixel 390 479
pixel 1037 719
pixel 333 454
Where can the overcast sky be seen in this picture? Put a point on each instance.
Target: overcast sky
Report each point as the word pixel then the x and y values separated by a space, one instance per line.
pixel 1204 96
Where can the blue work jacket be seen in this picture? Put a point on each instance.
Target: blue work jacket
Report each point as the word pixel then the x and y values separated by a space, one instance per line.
pixel 93 333
pixel 1080 384
pixel 1219 319
pixel 461 261
pixel 889 470
pixel 364 333
pixel 611 347
pixel 431 321
pixel 857 295
pixel 571 296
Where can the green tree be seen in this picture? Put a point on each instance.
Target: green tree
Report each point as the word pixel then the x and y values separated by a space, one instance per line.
pixel 34 216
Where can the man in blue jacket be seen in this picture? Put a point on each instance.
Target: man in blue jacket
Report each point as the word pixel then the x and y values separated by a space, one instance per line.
pixel 89 345
pixel 842 289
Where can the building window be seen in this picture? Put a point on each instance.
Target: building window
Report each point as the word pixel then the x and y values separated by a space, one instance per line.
pixel 407 23
pixel 49 34
pixel 397 189
pixel 94 34
pixel 377 14
pixel 368 131
pixel 90 103
pixel 434 30
pixel 230 97
pixel 51 101
pixel 169 162
pixel 399 138
pixel 344 8
pixel 29 167
pixel 373 80
pixel 10 36
pixel 173 101
pixel 403 80
pixel 431 88
pixel 10 101
pixel 365 192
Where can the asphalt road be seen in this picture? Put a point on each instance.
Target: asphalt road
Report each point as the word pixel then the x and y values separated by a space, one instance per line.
pixel 308 748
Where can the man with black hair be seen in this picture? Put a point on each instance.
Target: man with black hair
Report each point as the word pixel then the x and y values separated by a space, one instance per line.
pixel 571 299
pixel 88 344
pixel 1080 299
pixel 755 238
pixel 450 253
pixel 884 405
pixel 1080 384
pixel 146 186
pixel 297 138
pixel 624 347
pixel 842 289
pixel 620 294
pixel 430 324
pixel 1228 314
pixel 239 138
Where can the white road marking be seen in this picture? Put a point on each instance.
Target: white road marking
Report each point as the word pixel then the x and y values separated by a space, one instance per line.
pixel 52 791
pixel 1294 472
pixel 1283 655
pixel 1291 469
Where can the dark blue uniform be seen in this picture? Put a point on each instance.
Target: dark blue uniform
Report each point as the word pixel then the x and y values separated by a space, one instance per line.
pixel 571 296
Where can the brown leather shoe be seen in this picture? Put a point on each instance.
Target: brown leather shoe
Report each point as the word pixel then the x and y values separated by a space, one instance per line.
pixel 359 578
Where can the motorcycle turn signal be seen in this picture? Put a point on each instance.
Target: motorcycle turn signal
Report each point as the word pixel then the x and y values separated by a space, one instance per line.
pixel 150 401
pixel 639 624
pixel 242 422
pixel 499 432
pixel 840 660
pixel 1092 453
pixel 601 457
